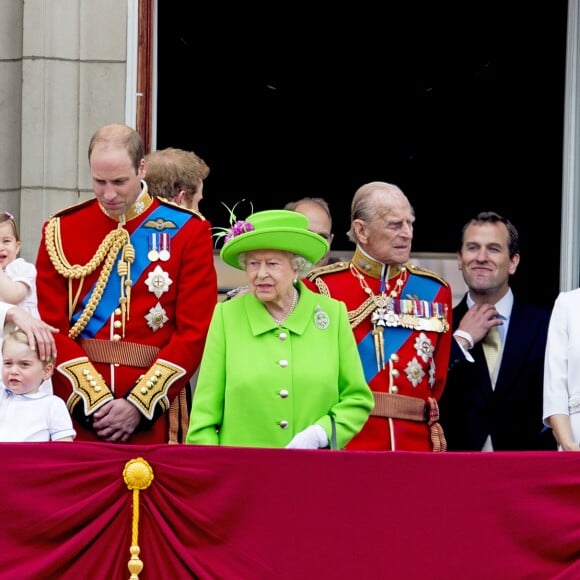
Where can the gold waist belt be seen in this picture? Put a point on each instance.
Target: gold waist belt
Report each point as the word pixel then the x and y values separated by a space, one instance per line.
pixel 399 407
pixel 126 353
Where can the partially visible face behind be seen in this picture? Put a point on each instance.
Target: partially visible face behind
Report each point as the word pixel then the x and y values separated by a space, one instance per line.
pixel 319 223
pixel 22 370
pixel 270 274
pixel 484 258
pixel 115 182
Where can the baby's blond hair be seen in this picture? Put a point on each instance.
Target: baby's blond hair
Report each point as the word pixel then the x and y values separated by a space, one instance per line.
pixel 22 338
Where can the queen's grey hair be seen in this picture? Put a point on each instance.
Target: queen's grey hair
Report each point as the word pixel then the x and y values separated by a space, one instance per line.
pixel 297 262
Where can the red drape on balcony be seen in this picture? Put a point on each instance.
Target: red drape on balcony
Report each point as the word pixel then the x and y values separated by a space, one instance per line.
pixel 218 512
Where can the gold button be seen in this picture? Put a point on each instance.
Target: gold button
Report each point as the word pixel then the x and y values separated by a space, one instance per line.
pixel 116 337
pixel 98 389
pixel 118 311
pixel 395 373
pixel 395 357
pixel 394 389
pixel 143 390
pixel 117 324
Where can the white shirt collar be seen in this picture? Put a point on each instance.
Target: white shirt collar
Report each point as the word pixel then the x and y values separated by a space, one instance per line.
pixel 503 306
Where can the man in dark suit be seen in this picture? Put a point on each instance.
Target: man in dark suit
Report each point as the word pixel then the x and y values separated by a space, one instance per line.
pixel 497 408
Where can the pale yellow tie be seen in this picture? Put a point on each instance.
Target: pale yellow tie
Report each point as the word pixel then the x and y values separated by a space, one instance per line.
pixel 491 347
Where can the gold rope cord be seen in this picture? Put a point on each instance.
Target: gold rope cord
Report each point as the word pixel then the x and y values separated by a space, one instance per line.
pixel 355 317
pixel 124 271
pixel 137 474
pixel 107 251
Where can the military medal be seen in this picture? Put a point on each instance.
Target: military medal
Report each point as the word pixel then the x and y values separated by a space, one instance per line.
pixel 156 317
pixel 385 309
pixel 153 254
pixel 158 281
pixel 165 242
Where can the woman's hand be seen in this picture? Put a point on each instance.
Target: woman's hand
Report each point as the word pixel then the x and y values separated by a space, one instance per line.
pixel 38 332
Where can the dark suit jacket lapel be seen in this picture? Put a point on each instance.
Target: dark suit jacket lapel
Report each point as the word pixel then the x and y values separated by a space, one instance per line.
pixel 480 370
pixel 521 334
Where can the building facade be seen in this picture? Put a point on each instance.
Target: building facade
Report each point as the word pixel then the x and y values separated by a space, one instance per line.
pixel 70 66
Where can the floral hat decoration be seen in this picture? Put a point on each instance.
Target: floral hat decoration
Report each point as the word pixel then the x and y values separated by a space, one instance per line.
pixel 276 229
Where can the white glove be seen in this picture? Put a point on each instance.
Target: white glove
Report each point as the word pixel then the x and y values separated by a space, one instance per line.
pixel 313 437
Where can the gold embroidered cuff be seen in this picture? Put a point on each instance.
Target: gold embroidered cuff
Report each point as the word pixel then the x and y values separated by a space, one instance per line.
pixel 152 387
pixel 72 402
pixel 87 384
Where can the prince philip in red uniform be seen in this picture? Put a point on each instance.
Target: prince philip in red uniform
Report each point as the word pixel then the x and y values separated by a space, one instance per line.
pixel 400 315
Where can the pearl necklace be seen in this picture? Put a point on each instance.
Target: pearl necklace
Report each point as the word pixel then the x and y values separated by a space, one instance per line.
pixel 280 321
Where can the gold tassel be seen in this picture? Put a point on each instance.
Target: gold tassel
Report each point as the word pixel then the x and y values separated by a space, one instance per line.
pixel 435 430
pixel 379 347
pixel 124 271
pixel 129 257
pixel 137 474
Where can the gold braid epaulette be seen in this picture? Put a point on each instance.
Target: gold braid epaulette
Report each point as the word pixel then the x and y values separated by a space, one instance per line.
pixel 114 241
pixel 321 270
pixel 419 270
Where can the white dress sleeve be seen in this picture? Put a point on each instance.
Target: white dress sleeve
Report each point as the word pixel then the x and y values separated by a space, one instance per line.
pixel 4 307
pixel 562 364
pixel 20 270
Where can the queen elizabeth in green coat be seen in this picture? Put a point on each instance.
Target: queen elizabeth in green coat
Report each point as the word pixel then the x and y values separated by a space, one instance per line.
pixel 280 366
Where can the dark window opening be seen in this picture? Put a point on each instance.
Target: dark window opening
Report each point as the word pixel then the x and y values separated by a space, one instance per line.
pixel 462 107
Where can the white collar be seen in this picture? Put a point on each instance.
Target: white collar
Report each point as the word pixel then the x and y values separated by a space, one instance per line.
pixel 503 305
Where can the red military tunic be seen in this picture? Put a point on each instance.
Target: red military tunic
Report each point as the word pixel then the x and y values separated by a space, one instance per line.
pixel 133 313
pixel 402 328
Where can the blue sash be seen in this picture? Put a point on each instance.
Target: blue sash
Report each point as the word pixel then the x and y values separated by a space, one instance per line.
pixel 422 286
pixel 139 239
